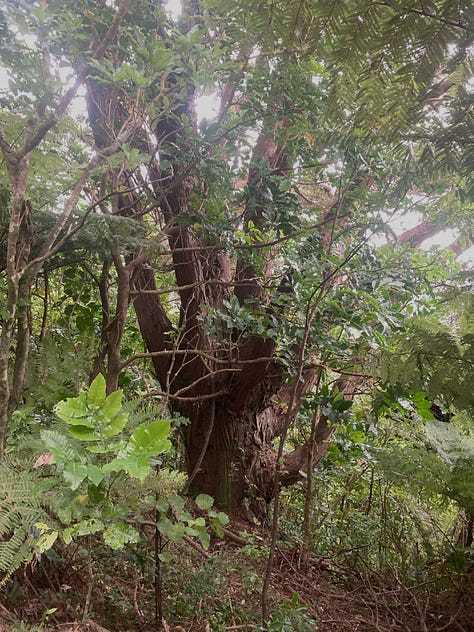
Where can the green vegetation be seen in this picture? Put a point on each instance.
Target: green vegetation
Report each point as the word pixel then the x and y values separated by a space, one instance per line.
pixel 236 387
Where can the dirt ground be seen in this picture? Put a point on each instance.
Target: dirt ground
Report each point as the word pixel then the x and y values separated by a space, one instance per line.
pixel 339 597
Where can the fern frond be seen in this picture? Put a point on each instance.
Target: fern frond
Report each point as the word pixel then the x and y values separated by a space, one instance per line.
pixel 22 504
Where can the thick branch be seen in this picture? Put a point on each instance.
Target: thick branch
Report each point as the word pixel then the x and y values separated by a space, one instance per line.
pixel 295 463
pixel 155 326
pixel 268 155
pixel 417 235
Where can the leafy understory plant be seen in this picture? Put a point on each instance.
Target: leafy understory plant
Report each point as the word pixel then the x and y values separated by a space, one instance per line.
pixel 292 617
pixel 175 521
pixel 95 458
pixel 100 464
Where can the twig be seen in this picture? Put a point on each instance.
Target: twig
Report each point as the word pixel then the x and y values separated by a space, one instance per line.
pixel 90 580
pixel 205 444
pixel 95 627
pixel 197 547
pixel 235 537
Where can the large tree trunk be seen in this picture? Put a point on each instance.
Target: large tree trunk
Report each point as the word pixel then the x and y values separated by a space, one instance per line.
pixel 232 389
pixel 236 410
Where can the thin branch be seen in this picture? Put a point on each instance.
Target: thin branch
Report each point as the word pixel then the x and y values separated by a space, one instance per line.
pixel 195 352
pixel 202 454
pixel 437 18
pixel 199 398
pixel 49 246
pixel 37 135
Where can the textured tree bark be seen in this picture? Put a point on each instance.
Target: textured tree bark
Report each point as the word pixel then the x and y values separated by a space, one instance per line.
pixel 224 388
pixel 417 235
pixel 227 389
pixel 17 169
pixel 22 346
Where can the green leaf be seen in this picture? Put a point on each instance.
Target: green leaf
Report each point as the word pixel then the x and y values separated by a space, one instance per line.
pixel 96 395
pixel 204 538
pixel 177 503
pixel 170 530
pixel 116 425
pixel 46 541
pixel 74 473
pixel 222 517
pixel 95 474
pixel 162 505
pixel 137 466
pixel 176 531
pixel 87 527
pixel 67 535
pixel 204 502
pixel 58 445
pixel 112 405
pixel 84 433
pixel 150 439
pixel 118 534
pixel 71 409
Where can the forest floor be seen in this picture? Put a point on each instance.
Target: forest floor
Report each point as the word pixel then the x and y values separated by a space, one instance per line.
pixel 219 590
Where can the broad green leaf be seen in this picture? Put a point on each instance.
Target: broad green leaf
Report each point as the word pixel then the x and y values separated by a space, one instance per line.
pixel 87 527
pixel 71 409
pixel 164 525
pixel 96 394
pixel 204 538
pixel 67 535
pixel 176 531
pixel 150 439
pixel 172 531
pixel 118 534
pixel 176 502
pixel 116 425
pixel 162 505
pixel 74 473
pixel 84 433
pixel 112 405
pixel 46 541
pixel 205 502
pixel 95 474
pixel 222 517
pixel 137 466
pixel 88 421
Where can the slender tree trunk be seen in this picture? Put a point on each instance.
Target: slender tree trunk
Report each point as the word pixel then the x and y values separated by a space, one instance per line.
pixel 116 327
pixel 105 306
pixel 4 383
pixel 25 240
pixel 22 346
pixel 17 169
pixel 308 500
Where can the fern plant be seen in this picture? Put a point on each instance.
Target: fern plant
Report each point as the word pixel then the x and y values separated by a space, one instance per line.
pixel 26 528
pixel 435 463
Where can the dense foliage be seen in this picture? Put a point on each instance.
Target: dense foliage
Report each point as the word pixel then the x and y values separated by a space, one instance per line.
pixel 210 300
